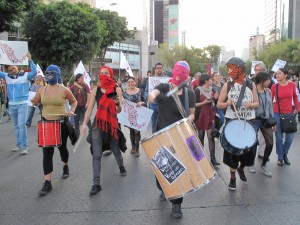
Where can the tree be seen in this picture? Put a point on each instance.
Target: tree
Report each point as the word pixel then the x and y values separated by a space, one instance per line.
pixel 62 33
pixel 14 11
pixel 214 52
pixel 116 27
pixel 287 50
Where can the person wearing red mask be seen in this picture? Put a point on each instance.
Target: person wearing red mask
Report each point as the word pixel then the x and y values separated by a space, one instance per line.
pixel 108 97
pixel 168 112
pixel 228 98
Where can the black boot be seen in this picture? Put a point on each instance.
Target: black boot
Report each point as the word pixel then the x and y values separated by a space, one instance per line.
pixel 176 211
pixel 122 171
pixel 214 162
pixel 65 174
pixel 286 160
pixel 47 187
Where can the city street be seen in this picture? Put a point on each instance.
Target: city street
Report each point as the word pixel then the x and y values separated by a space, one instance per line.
pixel 134 199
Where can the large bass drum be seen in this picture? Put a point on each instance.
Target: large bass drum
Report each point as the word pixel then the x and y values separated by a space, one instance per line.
pixel 238 136
pixel 178 159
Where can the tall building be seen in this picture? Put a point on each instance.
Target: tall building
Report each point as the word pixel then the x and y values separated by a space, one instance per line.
pixel 282 20
pixel 164 22
pixel 270 21
pixel 256 43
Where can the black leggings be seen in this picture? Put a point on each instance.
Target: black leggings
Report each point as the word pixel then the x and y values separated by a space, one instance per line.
pixel 135 137
pixel 211 141
pixel 48 152
pixel 268 136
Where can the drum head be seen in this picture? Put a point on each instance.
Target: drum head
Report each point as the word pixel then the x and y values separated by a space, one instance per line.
pixel 239 134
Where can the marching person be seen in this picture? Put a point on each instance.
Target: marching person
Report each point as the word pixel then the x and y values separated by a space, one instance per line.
pixel 81 92
pixel 134 94
pixel 286 95
pixel 169 112
pixel 17 85
pixel 205 113
pixel 249 102
pixel 108 98
pixel 265 110
pixel 53 97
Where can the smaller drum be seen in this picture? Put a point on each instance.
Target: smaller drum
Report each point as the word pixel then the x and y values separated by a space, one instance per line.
pixel 238 136
pixel 49 133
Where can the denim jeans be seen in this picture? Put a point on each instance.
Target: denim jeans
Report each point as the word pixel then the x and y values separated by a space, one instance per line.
pixel 282 146
pixel 31 110
pixel 154 107
pixel 221 115
pixel 18 114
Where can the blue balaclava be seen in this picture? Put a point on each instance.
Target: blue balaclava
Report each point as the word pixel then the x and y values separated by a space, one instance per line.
pixel 53 71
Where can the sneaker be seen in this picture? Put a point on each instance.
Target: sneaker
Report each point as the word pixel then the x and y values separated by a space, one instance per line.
pixel 122 171
pixel 252 169
pixel 162 197
pixel 24 152
pixel 9 120
pixel 176 211
pixel 232 185
pixel 107 153
pixel 260 156
pixel 95 189
pixel 65 174
pixel 265 171
pixel 286 160
pixel 47 187
pixel 17 148
pixel 28 125
pixel 280 162
pixel 242 174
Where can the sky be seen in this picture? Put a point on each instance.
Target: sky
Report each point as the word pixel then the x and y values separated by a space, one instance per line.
pixel 226 23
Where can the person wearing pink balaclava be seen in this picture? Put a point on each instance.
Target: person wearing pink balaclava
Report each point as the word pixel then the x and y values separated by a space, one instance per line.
pixel 168 112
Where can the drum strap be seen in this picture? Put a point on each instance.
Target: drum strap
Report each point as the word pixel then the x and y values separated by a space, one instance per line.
pixel 241 96
pixel 178 103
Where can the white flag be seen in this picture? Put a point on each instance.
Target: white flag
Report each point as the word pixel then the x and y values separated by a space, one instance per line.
pixel 125 65
pixel 39 71
pixel 80 69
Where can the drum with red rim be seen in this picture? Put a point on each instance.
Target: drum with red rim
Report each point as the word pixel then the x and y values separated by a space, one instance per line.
pixel 49 133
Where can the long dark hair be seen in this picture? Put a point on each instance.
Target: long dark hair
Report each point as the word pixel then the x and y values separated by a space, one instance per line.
pixel 261 77
pixel 203 78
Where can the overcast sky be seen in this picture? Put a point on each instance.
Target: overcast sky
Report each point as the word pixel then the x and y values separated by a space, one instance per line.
pixel 226 23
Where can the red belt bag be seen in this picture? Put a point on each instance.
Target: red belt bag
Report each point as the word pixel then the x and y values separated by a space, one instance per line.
pixel 49 133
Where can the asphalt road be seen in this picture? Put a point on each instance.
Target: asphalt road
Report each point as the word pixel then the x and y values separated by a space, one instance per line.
pixel 134 199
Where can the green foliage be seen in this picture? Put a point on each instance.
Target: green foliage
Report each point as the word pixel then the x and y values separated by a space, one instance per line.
pixel 63 34
pixel 14 11
pixel 196 57
pixel 287 50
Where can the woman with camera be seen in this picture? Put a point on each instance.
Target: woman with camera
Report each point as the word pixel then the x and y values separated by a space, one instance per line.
pixel 265 121
pixel 205 113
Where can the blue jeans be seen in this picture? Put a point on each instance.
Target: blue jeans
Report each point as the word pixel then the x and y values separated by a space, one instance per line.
pixel 221 115
pixel 31 110
pixel 282 146
pixel 18 114
pixel 154 107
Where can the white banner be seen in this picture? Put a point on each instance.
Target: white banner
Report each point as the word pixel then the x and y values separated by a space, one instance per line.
pixel 125 65
pixel 134 117
pixel 13 52
pixel 80 69
pixel 278 64
pixel 30 97
pixel 154 81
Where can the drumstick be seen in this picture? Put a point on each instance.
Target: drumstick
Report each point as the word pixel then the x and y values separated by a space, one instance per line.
pixel 77 143
pixel 245 115
pixel 237 115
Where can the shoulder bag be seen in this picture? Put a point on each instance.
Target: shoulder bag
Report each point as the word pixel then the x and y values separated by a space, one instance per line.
pixel 288 122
